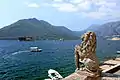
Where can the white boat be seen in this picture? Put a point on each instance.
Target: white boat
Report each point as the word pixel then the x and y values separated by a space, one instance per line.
pixel 54 75
pixel 35 49
pixel 118 52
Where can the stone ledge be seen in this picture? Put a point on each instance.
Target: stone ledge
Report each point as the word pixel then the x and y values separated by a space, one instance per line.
pixel 81 75
pixel 84 75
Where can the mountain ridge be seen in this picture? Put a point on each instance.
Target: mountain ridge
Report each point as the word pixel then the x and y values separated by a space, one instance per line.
pixel 109 29
pixel 33 27
pixel 44 30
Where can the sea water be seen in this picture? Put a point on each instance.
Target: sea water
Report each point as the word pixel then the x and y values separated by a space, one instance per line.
pixel 18 63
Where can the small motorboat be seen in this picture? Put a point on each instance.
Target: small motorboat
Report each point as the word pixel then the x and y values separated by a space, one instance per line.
pixel 35 49
pixel 54 75
pixel 118 52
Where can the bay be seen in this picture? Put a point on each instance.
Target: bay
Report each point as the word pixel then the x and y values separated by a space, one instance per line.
pixel 18 63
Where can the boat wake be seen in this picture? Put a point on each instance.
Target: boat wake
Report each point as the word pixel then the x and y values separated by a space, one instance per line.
pixel 7 56
pixel 19 52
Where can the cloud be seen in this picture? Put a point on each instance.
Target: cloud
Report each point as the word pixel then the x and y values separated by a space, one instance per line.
pixel 72 5
pixel 96 9
pixel 76 1
pixel 32 5
pixel 66 7
pixel 58 0
pixel 86 5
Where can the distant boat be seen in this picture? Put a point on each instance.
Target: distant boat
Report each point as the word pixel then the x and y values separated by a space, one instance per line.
pixel 25 38
pixel 61 39
pixel 35 49
pixel 118 52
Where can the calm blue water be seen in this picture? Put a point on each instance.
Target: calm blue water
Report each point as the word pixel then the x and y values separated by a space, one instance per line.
pixel 18 63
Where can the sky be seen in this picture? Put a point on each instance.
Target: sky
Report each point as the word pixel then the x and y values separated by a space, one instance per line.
pixel 74 14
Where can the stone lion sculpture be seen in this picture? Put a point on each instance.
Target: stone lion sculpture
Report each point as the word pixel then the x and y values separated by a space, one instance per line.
pixel 85 54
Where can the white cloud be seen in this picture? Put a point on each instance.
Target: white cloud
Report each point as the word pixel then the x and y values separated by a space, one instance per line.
pixel 32 5
pixel 86 5
pixel 66 7
pixel 96 9
pixel 72 5
pixel 58 0
pixel 76 1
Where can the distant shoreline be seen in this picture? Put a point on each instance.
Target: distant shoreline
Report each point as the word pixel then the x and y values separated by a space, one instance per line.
pixel 114 38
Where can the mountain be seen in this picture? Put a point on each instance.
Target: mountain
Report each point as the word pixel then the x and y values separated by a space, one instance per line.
pixel 109 29
pixel 36 28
